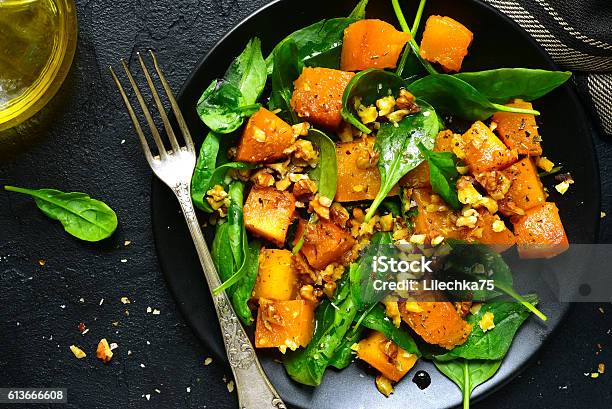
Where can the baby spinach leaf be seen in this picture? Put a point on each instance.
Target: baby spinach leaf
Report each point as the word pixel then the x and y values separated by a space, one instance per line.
pixel 83 217
pixel 409 65
pixel 343 356
pixel 452 95
pixel 221 252
pixel 467 375
pixel 359 12
pixel 287 68
pixel 504 84
pixel 494 343
pixel 235 220
pixel 368 85
pixel 483 263
pixel 243 289
pixel 443 174
pixel 307 366
pixel 204 169
pixel 326 172
pixel 226 102
pixel 397 147
pixel 362 276
pixel 377 320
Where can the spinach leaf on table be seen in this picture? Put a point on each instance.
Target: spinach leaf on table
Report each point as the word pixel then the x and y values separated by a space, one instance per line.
pixel 450 94
pixel 226 102
pixel 83 217
pixel 369 85
pixel 503 84
pixel 287 68
pixel 494 343
pixel 443 174
pixel 467 375
pixel 325 174
pixel 398 150
pixel 377 320
pixel 480 262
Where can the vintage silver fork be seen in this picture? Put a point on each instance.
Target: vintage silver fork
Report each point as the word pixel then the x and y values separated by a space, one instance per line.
pixel 175 167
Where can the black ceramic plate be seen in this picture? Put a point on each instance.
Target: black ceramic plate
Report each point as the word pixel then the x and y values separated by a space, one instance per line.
pixel 498 42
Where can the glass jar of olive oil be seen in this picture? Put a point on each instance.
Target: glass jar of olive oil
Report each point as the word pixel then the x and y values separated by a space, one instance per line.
pixel 37 43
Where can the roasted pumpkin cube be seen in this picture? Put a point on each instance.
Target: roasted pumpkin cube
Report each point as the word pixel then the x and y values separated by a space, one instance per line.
pixel 540 233
pixel 384 355
pixel 268 212
pixel 446 42
pixel 519 131
pixel 264 139
pixel 484 151
pixel 526 190
pixel 371 43
pixel 276 278
pixel 492 231
pixel 434 218
pixel 445 141
pixel 284 324
pixel 324 242
pixel 358 174
pixel 317 95
pixel 437 322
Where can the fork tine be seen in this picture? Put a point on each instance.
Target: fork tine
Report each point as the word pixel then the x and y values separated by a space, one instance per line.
pixel 160 145
pixel 175 108
pixel 160 107
pixel 143 141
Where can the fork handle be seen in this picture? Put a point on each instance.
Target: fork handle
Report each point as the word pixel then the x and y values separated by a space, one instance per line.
pixel 254 389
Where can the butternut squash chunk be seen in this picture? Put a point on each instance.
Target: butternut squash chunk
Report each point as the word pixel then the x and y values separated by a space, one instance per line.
pixel 434 217
pixel 383 354
pixel 438 323
pixel 519 131
pixel 484 151
pixel 284 324
pixel 485 232
pixel 358 174
pixel 268 213
pixel 371 44
pixel 526 190
pixel 540 233
pixel 264 139
pixel 317 95
pixel 446 42
pixel 324 242
pixel 276 278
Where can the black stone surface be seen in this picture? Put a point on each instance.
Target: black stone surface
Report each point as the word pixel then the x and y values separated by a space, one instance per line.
pixel 76 143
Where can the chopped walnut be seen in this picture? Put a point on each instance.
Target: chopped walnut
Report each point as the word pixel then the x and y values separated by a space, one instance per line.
pixel 406 101
pixel 217 197
pixel 469 218
pixel 280 168
pixel 307 292
pixel 545 164
pixel 495 183
pixel 392 311
pixel 329 289
pixel 320 205
pixel 303 152
pixel 386 222
pixel 466 191
pixel 263 177
pixel 270 315
pixel 367 114
pixel 397 116
pixel 384 385
pixel 300 129
pixel 104 352
pixel 304 189
pixel 283 184
pixel 338 215
pixel 498 226
pixel 385 105
pixel 78 352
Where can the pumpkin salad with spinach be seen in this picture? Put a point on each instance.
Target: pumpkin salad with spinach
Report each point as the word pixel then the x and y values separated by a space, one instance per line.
pixel 338 145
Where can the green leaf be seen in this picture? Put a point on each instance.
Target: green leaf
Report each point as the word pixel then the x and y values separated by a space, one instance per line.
pixel 226 102
pixel 318 45
pixel 450 94
pixel 492 344
pixel 503 84
pixel 343 356
pixel 377 320
pixel 204 169
pixel 359 12
pixel 287 69
pixel 369 85
pixel 83 217
pixel 244 288
pixel 221 253
pixel 443 174
pixel 326 172
pixel 398 150
pixel 467 375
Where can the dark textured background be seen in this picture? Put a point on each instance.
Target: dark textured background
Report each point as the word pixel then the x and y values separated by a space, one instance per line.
pixel 76 144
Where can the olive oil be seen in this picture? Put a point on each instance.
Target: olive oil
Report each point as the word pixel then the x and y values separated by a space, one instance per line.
pixel 37 42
